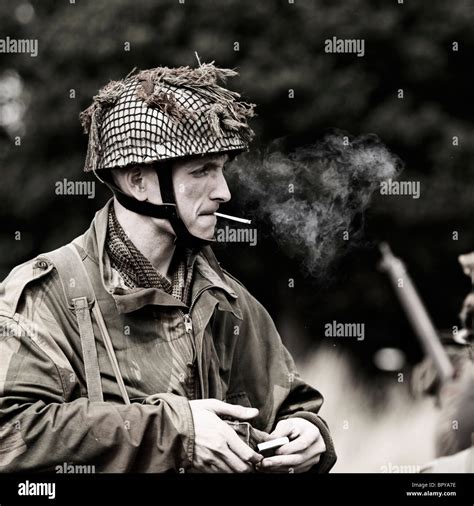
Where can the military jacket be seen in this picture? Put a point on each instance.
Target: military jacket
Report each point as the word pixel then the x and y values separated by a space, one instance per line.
pixel 46 418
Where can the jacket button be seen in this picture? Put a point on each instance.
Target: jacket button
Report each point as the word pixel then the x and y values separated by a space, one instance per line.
pixel 41 264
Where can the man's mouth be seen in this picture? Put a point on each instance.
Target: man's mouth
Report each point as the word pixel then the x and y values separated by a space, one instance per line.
pixel 208 213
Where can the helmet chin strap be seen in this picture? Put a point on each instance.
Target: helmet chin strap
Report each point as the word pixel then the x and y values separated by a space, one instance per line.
pixel 183 235
pixel 167 211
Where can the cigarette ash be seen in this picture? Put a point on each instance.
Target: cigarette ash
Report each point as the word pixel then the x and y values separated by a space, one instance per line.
pixel 314 198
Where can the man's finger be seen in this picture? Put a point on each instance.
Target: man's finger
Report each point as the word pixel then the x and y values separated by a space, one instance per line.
pixel 220 467
pixel 306 466
pixel 298 445
pixel 233 410
pixel 243 451
pixel 302 468
pixel 237 464
pixel 261 436
pixel 284 461
pixel 283 428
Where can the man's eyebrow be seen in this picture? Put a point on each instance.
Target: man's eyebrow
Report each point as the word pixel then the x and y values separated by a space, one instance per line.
pixel 208 165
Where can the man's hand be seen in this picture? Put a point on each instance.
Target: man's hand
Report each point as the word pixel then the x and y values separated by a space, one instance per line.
pixel 217 448
pixel 301 453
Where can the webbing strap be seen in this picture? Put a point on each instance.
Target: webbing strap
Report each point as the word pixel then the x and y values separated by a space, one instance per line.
pixel 89 350
pixel 110 352
pixel 80 295
pixel 104 332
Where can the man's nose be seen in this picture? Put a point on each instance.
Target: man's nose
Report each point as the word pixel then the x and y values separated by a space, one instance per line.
pixel 220 190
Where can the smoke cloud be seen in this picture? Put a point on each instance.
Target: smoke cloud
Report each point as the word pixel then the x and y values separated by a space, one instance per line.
pixel 314 197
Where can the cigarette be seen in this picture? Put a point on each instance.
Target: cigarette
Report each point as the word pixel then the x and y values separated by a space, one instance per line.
pixel 240 220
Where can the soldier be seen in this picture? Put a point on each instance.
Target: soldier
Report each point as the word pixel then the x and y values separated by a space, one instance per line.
pixel 130 349
pixel 454 438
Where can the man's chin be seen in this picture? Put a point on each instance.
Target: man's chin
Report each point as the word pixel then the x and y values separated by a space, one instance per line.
pixel 205 234
pixel 209 236
pixel 207 229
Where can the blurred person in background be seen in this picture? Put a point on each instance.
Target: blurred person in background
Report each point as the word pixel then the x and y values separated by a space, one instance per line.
pixel 454 439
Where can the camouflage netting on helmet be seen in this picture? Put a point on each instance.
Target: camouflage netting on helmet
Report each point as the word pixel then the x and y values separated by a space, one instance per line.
pixel 164 113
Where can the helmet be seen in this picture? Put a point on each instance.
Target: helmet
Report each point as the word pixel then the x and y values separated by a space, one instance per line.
pixel 162 114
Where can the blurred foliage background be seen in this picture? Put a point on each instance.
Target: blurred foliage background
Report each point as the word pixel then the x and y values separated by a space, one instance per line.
pixel 276 46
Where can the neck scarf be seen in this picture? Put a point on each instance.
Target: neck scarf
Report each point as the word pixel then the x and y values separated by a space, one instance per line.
pixel 137 271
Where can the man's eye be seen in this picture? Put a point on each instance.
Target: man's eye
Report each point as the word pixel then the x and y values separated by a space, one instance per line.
pixel 201 172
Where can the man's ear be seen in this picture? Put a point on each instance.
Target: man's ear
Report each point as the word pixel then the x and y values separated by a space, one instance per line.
pixel 135 182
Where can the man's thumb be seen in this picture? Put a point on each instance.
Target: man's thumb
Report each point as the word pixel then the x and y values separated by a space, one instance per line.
pixel 234 410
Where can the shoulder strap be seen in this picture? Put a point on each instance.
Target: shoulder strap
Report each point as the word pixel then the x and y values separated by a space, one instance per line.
pixel 81 298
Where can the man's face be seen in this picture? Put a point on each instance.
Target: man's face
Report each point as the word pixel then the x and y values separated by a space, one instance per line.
pixel 200 187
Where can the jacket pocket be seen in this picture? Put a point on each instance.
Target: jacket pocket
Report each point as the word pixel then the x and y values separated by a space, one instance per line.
pixel 240 398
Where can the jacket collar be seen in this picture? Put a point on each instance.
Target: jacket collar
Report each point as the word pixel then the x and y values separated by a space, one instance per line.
pixel 208 273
